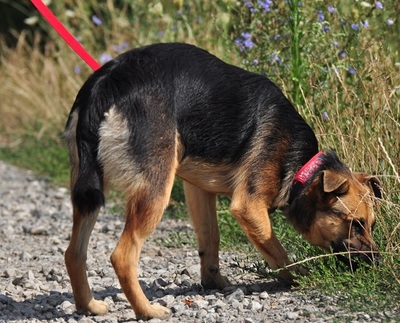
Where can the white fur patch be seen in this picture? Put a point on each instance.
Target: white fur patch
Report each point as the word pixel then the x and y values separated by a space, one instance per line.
pixel 118 166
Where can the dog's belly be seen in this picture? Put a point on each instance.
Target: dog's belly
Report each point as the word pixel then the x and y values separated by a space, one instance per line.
pixel 210 177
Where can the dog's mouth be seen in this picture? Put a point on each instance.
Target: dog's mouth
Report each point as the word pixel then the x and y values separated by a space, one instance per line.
pixel 354 251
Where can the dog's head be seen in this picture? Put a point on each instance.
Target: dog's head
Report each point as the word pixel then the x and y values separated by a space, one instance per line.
pixel 336 211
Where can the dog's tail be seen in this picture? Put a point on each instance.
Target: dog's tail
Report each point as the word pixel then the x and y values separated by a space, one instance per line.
pixel 86 172
pixel 87 194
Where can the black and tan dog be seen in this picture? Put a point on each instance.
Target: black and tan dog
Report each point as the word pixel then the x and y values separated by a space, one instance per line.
pixel 173 109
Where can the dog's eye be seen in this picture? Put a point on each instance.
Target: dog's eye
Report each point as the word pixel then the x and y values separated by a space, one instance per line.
pixel 359 226
pixel 373 225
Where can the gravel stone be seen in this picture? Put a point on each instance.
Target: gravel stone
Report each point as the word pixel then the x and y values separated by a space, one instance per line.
pixel 35 228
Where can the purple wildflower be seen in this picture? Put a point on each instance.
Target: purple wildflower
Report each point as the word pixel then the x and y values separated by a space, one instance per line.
pixel 342 54
pixel 96 20
pixel 104 58
pixel 365 24
pixel 245 42
pixel 277 36
pixel 255 62
pixel 248 43
pixel 335 43
pixel 389 22
pixel 355 26
pixel 325 116
pixel 77 69
pixel 321 16
pixel 246 35
pixel 121 47
pixel 265 5
pixel 352 71
pixel 249 5
pixel 325 28
pixel 378 5
pixel 275 59
pixel 331 9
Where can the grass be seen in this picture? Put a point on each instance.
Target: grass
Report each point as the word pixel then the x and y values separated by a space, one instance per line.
pixel 44 156
pixel 351 100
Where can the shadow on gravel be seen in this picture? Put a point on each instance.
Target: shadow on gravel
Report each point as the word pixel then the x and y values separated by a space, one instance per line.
pixel 42 307
pixel 61 305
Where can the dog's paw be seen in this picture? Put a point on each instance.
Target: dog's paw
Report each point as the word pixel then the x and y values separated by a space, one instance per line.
pixel 223 282
pixel 286 275
pixel 215 282
pixel 95 308
pixel 301 271
pixel 154 311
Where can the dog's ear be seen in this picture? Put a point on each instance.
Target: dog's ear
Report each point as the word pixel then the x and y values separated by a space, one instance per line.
pixel 371 181
pixel 333 182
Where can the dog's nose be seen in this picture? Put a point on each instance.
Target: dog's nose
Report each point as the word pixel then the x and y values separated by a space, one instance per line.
pixel 377 258
pixel 357 252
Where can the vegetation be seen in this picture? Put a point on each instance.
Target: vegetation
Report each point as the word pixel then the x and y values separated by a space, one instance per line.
pixel 338 62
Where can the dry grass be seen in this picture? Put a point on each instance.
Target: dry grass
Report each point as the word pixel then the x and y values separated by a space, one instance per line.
pixel 39 85
pixel 37 91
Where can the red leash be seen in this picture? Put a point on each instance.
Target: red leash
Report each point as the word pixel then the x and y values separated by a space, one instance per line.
pixel 65 34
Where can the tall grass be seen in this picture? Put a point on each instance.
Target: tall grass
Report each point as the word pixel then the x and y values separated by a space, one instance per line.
pixel 344 79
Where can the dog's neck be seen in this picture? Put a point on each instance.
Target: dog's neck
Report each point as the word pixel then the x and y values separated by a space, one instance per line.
pixel 304 174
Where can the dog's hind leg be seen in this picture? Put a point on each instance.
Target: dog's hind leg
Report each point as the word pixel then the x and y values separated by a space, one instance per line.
pixel 75 259
pixel 141 161
pixel 144 210
pixel 202 210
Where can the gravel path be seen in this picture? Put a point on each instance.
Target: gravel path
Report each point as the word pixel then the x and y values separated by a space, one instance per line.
pixel 35 223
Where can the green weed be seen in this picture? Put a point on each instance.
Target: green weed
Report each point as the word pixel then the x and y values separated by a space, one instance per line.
pixel 44 156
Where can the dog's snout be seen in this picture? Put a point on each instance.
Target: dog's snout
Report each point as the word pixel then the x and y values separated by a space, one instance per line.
pixel 352 251
pixel 376 257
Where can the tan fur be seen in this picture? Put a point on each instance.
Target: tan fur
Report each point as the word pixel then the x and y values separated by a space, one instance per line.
pixel 252 215
pixel 203 213
pixel 355 205
pixel 209 177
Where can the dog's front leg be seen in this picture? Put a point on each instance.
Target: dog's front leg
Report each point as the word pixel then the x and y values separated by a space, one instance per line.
pixel 252 215
pixel 203 213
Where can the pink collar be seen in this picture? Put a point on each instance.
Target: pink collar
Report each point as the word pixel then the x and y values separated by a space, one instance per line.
pixel 308 169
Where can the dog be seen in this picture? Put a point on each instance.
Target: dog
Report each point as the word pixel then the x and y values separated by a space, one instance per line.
pixel 172 109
